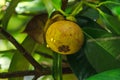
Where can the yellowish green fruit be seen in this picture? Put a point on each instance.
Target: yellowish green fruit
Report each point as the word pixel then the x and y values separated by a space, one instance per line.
pixel 64 37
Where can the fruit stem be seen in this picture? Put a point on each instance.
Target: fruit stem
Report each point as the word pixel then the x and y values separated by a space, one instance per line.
pixel 65 14
pixel 77 9
pixel 57 67
pixel 90 4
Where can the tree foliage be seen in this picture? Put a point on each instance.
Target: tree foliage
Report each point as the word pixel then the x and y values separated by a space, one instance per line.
pixel 24 54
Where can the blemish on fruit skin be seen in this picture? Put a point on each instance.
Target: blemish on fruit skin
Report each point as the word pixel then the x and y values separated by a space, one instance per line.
pixel 70 34
pixel 63 48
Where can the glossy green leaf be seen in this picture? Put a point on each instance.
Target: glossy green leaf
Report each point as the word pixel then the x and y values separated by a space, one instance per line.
pixel 107 75
pixel 9 12
pixel 102 49
pixel 111 22
pixel 84 21
pixel 80 65
pixel 88 12
pixel 111 5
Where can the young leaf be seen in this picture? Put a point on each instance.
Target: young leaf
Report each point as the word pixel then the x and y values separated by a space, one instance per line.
pixel 107 75
pixel 35 27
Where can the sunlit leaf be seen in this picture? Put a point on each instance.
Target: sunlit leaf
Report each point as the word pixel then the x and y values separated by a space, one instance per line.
pixel 17 23
pixel 116 10
pixel 107 75
pixel 4 62
pixel 57 4
pixel 30 7
pixel 9 12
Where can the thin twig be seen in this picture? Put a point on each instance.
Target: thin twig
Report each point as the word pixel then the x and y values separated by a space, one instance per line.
pixel 64 4
pixel 31 72
pixel 16 74
pixel 25 53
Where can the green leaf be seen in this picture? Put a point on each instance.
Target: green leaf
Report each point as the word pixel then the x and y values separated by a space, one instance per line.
pixel 71 5
pixel 84 21
pixel 19 63
pixel 9 12
pixel 89 13
pixel 116 10
pixel 102 49
pixel 49 6
pixel 52 5
pixel 29 7
pixel 80 65
pixel 77 9
pixel 111 22
pixel 107 75
pixel 57 4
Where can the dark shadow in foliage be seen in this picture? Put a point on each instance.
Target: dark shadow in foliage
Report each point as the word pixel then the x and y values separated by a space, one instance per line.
pixel 80 65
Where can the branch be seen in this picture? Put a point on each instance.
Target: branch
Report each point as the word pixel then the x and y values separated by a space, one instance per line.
pixel 21 49
pixel 39 70
pixel 64 4
pixel 32 72
pixel 24 73
pixel 16 74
